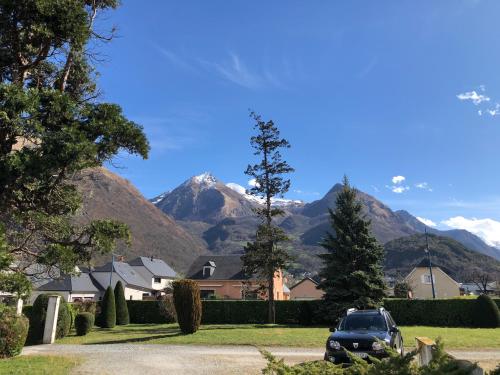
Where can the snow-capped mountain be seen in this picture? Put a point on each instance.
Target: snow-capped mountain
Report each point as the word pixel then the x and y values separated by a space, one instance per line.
pixel 280 202
pixel 204 198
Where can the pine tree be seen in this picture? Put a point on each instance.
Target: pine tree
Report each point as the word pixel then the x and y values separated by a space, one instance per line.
pixel 108 309
pixel 122 316
pixel 263 257
pixel 352 273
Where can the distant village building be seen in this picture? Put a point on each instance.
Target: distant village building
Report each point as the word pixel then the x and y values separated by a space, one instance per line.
pixel 159 274
pixel 73 288
pixel 142 277
pixel 221 276
pixel 306 289
pixel 420 281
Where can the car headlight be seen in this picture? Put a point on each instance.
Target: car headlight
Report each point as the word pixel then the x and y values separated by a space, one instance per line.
pixel 335 345
pixel 377 346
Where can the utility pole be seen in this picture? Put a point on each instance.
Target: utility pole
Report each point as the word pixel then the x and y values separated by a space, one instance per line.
pixel 430 263
pixel 112 268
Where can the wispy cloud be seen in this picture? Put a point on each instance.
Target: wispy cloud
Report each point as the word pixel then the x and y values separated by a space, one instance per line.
pixel 368 68
pixel 423 186
pixel 236 71
pixel 232 68
pixel 302 192
pixel 175 59
pixel 427 222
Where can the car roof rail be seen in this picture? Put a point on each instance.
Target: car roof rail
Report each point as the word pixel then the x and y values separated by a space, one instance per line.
pixel 351 310
pixel 381 310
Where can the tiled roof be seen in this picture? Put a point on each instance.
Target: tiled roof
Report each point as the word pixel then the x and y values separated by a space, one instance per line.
pixel 156 266
pixel 227 267
pixel 72 283
pixel 126 272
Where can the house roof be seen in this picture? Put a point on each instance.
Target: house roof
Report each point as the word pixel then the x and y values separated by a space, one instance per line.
pixel 305 279
pixel 156 266
pixel 424 263
pixel 285 289
pixel 72 283
pixel 126 272
pixel 227 267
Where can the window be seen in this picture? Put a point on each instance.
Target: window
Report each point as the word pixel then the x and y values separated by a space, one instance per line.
pixel 363 322
pixel 157 280
pixel 207 294
pixel 426 279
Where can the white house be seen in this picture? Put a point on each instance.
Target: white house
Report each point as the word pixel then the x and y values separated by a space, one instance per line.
pixel 156 272
pixel 73 288
pixel 134 285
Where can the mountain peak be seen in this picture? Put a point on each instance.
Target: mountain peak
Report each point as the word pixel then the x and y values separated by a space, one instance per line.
pixel 206 179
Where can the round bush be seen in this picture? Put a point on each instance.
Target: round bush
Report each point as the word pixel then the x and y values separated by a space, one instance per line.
pixel 122 316
pixel 84 323
pixel 486 312
pixel 13 332
pixel 187 304
pixel 38 315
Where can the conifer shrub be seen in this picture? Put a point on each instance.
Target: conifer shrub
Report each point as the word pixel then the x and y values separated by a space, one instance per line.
pixel 486 314
pixel 38 315
pixel 13 332
pixel 107 317
pixel 187 304
pixel 122 315
pixel 84 323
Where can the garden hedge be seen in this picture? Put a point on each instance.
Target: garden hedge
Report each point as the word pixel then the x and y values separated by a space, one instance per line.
pixel 84 323
pixel 13 332
pixel 37 315
pixel 486 313
pixel 143 312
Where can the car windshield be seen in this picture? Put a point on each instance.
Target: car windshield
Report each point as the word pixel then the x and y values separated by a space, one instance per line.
pixel 363 322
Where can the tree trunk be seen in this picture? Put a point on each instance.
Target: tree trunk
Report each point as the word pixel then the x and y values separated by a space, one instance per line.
pixel 271 308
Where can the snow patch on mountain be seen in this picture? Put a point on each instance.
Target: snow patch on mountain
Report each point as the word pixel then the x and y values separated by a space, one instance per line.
pixel 206 180
pixel 280 202
pixel 159 198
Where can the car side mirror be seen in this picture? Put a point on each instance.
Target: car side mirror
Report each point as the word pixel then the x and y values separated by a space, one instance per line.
pixel 394 329
pixel 333 329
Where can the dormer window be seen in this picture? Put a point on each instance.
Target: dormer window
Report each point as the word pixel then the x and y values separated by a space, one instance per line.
pixel 208 269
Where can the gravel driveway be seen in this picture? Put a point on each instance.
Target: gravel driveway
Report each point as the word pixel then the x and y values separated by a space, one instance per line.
pixel 127 359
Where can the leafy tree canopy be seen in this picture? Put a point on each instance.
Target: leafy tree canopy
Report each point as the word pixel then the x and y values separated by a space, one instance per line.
pixel 53 126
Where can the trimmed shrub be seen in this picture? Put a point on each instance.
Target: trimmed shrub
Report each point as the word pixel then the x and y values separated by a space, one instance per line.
pixel 85 306
pixel 187 305
pixel 486 314
pixel 108 309
pixel 146 312
pixel 401 289
pixel 38 315
pixel 84 323
pixel 13 332
pixel 122 316
pixel 72 314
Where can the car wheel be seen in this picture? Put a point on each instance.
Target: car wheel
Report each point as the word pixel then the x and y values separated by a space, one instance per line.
pixel 402 349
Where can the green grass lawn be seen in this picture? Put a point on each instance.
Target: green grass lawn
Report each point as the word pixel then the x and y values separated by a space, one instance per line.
pixel 38 365
pixel 263 335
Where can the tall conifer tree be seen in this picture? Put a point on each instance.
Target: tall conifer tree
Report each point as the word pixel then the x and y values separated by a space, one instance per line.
pixel 352 273
pixel 264 257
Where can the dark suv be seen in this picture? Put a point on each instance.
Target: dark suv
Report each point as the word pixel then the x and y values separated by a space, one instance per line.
pixel 362 333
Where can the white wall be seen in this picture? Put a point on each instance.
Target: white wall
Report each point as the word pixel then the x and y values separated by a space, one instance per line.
pixel 133 294
pixel 149 277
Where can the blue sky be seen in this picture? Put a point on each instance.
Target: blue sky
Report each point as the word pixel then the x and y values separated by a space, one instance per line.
pixel 375 90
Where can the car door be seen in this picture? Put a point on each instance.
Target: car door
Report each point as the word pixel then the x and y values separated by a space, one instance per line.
pixel 397 340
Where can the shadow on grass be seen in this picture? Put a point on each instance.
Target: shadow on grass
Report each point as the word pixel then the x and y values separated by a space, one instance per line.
pixel 132 340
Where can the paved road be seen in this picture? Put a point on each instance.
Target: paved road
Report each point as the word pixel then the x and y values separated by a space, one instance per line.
pixel 124 359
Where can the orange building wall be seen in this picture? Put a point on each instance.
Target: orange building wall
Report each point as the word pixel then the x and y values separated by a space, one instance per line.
pixel 232 289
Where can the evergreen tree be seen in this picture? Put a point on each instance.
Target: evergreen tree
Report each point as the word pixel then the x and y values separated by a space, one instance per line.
pixel 352 273
pixel 53 127
pixel 263 257
pixel 108 309
pixel 122 315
